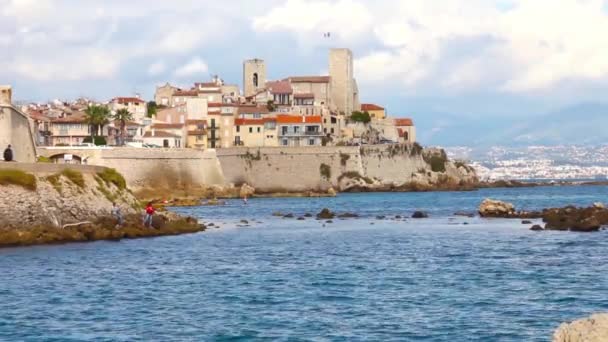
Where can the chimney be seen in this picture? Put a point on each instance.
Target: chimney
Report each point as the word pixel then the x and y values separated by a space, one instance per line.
pixel 6 94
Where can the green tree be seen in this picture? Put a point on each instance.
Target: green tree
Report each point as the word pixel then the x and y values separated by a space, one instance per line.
pixel 122 116
pixel 364 117
pixel 97 117
pixel 152 108
pixel 271 106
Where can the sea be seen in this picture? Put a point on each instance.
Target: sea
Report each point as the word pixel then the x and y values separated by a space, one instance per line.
pixel 383 276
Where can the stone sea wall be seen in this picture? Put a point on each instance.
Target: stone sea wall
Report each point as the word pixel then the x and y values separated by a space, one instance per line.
pixel 276 169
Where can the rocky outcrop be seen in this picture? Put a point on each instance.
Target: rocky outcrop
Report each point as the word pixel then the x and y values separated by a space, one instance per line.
pixel 491 208
pixel 576 219
pixel 325 214
pixel 495 208
pixel 591 329
pixel 66 197
pixel 246 191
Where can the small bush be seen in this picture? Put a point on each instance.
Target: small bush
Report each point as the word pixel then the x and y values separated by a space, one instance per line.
pixel 18 177
pixel 112 176
pixel 416 149
pixel 74 177
pixel 344 158
pixel 437 163
pixel 55 182
pixel 99 141
pixel 325 171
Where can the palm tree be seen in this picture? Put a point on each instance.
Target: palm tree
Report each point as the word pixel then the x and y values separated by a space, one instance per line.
pixel 96 117
pixel 122 115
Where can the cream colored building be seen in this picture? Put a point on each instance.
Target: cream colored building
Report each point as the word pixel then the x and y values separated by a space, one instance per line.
pixel 136 106
pixel 197 134
pixel 341 71
pixel 317 87
pixel 255 132
pixel 163 96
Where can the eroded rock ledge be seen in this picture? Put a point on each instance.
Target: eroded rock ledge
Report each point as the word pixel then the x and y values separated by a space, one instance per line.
pixel 569 218
pixel 590 329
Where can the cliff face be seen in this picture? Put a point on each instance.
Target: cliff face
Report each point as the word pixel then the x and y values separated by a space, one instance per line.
pixel 369 168
pixel 53 198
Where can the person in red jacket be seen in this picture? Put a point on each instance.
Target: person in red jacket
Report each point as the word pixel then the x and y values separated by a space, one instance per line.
pixel 148 215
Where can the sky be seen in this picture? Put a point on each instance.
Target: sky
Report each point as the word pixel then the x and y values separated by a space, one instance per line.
pixel 437 61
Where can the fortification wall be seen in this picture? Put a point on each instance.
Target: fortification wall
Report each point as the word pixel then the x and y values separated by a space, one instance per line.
pixel 279 169
pixel 15 130
pixel 162 168
pixel 271 169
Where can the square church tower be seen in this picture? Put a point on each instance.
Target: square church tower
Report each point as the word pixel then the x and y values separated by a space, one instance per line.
pixel 254 76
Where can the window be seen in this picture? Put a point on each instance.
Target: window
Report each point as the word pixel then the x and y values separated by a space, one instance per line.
pixel 311 141
pixel 257 115
pixel 250 129
pixel 259 129
pixel 406 136
pixel 238 129
pixel 284 130
pixel 284 142
pixel 332 131
pixel 255 79
pixel 296 129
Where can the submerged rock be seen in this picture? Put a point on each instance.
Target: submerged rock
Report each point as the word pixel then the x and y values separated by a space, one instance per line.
pixel 464 214
pixel 537 227
pixel 591 329
pixel 526 222
pixel 325 214
pixel 419 215
pixel 348 215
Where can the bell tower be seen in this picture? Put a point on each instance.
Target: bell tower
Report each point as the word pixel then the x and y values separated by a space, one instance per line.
pixel 254 76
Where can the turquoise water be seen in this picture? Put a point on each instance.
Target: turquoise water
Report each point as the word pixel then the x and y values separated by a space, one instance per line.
pixel 436 279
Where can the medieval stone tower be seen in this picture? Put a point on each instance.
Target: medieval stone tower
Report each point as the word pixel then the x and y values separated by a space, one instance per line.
pixel 342 81
pixel 254 76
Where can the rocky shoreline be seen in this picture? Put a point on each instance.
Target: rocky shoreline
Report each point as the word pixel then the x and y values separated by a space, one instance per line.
pixel 103 229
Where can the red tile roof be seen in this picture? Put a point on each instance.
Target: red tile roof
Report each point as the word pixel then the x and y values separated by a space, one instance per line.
pixel 309 79
pixel 252 122
pixel 76 117
pixel 370 106
pixel 304 96
pixel 167 126
pixel 297 119
pixel 404 122
pixel 253 109
pixel 279 87
pixel 185 93
pixel 125 100
pixel 160 134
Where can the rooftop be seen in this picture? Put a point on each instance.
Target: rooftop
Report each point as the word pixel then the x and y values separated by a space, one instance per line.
pixel 370 106
pixel 404 122
pixel 296 119
pixel 309 79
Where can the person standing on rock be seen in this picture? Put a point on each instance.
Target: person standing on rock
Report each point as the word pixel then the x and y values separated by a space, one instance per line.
pixel 8 154
pixel 117 213
pixel 148 215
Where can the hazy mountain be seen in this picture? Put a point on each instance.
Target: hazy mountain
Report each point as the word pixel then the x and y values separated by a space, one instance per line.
pixel 582 124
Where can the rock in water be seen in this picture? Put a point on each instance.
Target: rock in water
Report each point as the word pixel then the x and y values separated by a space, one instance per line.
pixel 494 208
pixel 537 228
pixel 331 192
pixel 325 214
pixel 420 214
pixel 246 190
pixel 599 205
pixel 591 329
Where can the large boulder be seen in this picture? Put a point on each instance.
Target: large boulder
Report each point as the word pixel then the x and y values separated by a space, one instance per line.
pixel 246 190
pixel 494 208
pixel 591 329
pixel 325 214
pixel 575 219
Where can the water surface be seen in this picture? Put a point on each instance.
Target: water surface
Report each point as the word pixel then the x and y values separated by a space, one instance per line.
pixel 439 279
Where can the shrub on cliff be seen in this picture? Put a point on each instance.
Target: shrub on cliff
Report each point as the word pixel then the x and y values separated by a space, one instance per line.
pixel 18 177
pixel 325 171
pixel 112 176
pixel 361 117
pixel 74 177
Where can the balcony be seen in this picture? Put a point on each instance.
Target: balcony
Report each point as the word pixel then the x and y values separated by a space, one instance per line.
pixel 301 134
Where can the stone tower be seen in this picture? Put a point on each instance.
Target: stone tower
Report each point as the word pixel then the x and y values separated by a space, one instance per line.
pixel 342 82
pixel 254 76
pixel 6 94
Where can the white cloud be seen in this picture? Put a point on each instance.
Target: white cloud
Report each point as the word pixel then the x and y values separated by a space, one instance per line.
pixel 156 68
pixel 88 65
pixel 521 46
pixel 344 19
pixel 192 68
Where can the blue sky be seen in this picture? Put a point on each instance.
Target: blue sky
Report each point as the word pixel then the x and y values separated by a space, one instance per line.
pixel 437 61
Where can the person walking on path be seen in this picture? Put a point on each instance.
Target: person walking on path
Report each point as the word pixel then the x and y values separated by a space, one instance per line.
pixel 117 213
pixel 8 154
pixel 148 215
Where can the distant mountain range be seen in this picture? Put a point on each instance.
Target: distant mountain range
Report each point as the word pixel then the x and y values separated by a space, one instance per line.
pixel 583 124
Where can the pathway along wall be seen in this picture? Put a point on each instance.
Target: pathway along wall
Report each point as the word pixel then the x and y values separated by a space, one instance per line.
pixel 296 169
